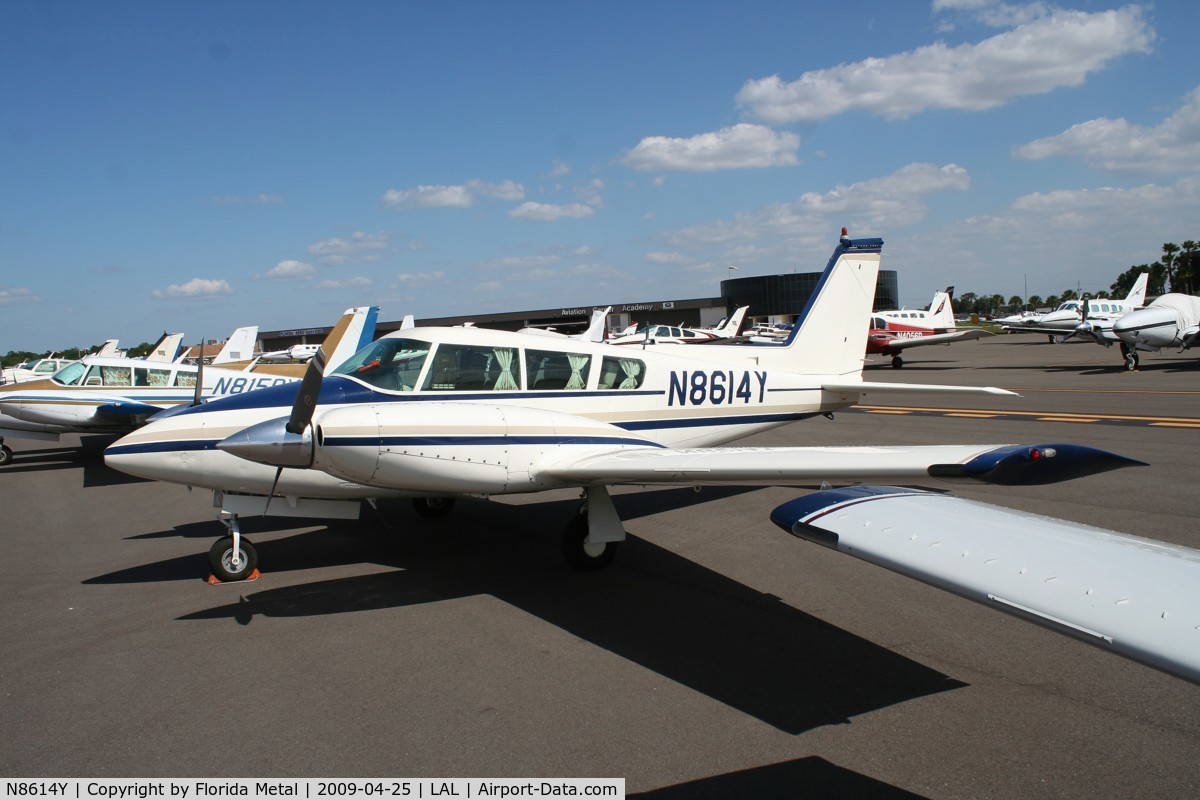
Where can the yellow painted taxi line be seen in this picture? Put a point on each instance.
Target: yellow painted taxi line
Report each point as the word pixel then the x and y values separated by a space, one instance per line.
pixel 1069 419
pixel 1174 425
pixel 1064 416
pixel 970 415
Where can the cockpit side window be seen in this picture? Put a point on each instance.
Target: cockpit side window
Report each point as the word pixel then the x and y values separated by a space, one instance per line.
pixel 391 364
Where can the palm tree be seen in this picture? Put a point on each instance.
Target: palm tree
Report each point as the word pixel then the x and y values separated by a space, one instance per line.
pixel 1186 265
pixel 1168 261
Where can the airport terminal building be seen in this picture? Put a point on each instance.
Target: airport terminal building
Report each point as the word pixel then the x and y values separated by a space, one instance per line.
pixel 772 298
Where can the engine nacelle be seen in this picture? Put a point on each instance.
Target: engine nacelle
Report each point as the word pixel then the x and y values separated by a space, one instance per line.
pixel 456 448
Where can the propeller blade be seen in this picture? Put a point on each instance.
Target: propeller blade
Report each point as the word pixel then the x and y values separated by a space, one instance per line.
pixel 197 396
pixel 306 398
pixel 271 494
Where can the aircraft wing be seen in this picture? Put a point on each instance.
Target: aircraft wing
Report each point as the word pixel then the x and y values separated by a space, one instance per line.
pixel 964 335
pixel 127 408
pixel 1136 597
pixel 800 466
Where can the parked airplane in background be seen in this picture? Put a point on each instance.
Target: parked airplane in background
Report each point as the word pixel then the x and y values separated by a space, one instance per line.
pixel 1059 323
pixel 893 332
pixel 1135 597
pixel 675 334
pixel 295 353
pixel 115 395
pixel 593 333
pixel 435 413
pixel 36 368
pixel 1172 320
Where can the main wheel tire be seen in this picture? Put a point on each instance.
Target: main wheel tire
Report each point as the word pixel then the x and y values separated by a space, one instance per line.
pixel 433 507
pixel 581 555
pixel 897 362
pixel 6 455
pixel 220 558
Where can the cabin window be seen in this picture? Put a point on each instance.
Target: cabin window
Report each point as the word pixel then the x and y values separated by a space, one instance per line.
pixel 621 373
pixel 187 379
pixel 466 368
pixel 143 376
pixel 46 367
pixel 392 364
pixel 108 376
pixel 71 374
pixel 545 369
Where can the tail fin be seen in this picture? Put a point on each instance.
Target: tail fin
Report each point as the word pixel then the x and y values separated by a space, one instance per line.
pixel 941 310
pixel 239 347
pixel 354 331
pixel 830 335
pixel 109 348
pixel 166 348
pixel 1137 295
pixel 732 325
pixel 595 330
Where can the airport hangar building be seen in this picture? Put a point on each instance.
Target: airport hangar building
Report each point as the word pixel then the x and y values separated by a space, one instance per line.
pixel 772 298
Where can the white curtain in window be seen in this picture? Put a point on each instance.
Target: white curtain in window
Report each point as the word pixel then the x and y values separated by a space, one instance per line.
pixel 504 357
pixel 632 369
pixel 578 363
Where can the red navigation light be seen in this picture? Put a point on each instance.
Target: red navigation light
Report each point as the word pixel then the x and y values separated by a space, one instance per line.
pixel 1035 454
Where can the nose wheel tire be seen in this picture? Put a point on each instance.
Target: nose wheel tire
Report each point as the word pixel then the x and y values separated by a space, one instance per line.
pixel 582 555
pixel 220 558
pixel 6 455
pixel 1131 360
pixel 433 507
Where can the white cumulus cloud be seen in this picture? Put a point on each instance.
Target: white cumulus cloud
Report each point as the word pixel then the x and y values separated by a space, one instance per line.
pixel 456 196
pixel 547 212
pixel 1035 57
pixel 356 248
pixel 1119 146
pixel 742 146
pixel 195 289
pixel 358 282
pixel 15 295
pixel 290 270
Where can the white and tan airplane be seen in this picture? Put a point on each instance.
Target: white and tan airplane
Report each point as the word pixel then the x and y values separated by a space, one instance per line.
pixel 593 333
pixel 437 413
pixel 114 395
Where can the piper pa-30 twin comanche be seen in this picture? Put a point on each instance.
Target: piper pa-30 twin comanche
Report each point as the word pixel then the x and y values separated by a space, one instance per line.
pixel 893 332
pixel 115 395
pixel 436 413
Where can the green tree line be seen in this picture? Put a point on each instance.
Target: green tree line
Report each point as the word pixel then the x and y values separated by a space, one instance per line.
pixel 14 357
pixel 1176 270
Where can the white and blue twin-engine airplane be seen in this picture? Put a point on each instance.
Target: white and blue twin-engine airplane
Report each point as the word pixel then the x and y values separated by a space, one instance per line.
pixel 437 413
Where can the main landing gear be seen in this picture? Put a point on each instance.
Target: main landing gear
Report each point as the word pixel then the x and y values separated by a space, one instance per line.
pixel 897 362
pixel 6 453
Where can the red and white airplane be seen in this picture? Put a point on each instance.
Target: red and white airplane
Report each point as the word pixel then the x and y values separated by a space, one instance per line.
pixel 893 332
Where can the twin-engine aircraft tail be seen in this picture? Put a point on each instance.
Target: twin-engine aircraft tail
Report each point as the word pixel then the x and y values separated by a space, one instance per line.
pixel 830 335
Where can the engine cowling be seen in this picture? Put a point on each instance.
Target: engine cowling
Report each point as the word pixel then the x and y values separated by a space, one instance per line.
pixel 460 448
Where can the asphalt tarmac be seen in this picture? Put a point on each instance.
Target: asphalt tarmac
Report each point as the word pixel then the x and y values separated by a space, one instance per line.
pixel 716 657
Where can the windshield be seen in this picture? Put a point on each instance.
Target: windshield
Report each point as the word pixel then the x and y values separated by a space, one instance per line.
pixel 71 374
pixel 388 364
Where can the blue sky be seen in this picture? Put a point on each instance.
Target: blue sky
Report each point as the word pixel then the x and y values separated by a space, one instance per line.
pixel 198 166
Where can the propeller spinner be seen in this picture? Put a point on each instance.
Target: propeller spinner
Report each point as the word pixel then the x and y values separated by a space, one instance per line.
pixel 285 441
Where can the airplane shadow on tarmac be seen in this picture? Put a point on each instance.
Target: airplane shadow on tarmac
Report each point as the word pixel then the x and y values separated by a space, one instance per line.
pixel 88 456
pixel 743 648
pixel 810 777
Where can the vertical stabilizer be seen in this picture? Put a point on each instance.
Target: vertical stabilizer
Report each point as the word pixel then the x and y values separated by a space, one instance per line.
pixel 239 347
pixel 732 325
pixel 941 310
pixel 109 349
pixel 830 336
pixel 1137 295
pixel 166 348
pixel 354 331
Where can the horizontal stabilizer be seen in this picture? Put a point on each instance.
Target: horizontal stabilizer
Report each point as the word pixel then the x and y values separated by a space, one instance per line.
pixel 1136 597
